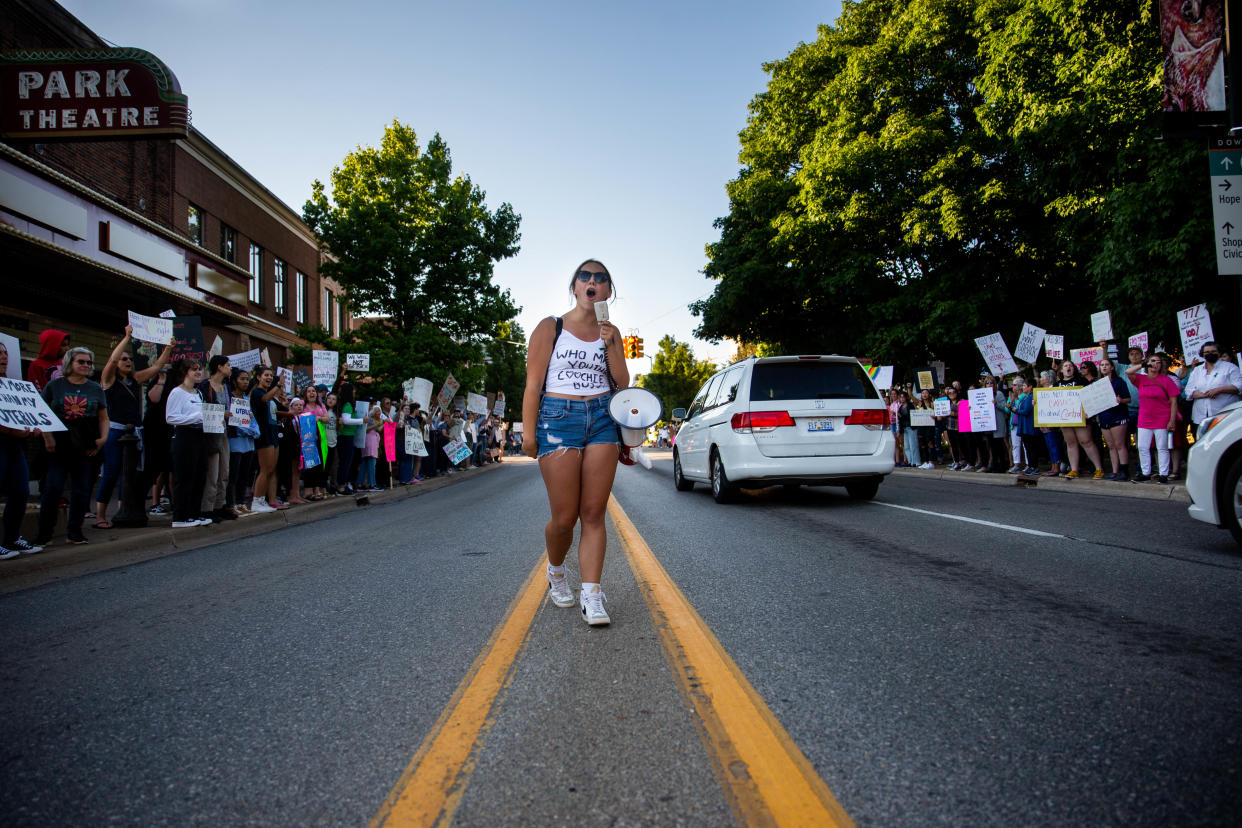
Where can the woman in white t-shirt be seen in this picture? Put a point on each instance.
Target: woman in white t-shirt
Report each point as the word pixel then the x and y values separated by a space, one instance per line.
pixel 572 366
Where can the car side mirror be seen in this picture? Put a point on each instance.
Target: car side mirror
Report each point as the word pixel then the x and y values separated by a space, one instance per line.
pixel 679 413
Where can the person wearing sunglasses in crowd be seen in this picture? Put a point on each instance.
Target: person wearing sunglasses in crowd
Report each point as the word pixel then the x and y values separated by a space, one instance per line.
pixel 1158 394
pixel 1213 384
pixel 122 387
pixel 574 439
pixel 80 404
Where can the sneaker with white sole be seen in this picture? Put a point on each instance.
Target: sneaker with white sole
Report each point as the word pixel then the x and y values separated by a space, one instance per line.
pixel 559 591
pixel 6 553
pixel 25 547
pixel 184 524
pixel 593 607
pixel 260 506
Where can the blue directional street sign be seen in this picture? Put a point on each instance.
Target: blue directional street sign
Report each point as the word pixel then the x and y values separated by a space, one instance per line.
pixel 1226 177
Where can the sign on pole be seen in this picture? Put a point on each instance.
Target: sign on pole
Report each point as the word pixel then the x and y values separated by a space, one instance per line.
pixel 1225 166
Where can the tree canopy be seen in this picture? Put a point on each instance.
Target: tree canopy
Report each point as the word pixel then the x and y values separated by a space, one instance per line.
pixel 929 171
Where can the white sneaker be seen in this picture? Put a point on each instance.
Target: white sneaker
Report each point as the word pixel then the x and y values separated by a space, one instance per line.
pixel 593 608
pixel 6 553
pixel 184 524
pixel 204 521
pixel 559 591
pixel 259 505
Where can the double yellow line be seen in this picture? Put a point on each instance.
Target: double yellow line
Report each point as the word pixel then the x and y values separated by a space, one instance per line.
pixel 766 778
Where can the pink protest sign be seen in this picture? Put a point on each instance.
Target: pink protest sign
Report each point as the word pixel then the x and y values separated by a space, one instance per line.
pixel 390 442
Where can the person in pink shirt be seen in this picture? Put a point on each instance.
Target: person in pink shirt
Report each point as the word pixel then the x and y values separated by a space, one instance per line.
pixel 1157 417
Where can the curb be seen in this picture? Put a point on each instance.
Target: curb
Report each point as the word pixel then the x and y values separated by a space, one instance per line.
pixel 1106 488
pixel 122 547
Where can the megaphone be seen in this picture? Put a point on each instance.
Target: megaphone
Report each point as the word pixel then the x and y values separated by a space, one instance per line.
pixel 635 410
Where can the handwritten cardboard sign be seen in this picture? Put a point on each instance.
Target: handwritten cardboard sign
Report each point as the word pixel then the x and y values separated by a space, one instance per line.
pixel 308 432
pixel 476 403
pixel 22 406
pixel 996 354
pixel 920 417
pixel 414 445
pixel 456 451
pixel 1080 355
pixel 1195 326
pixel 1098 396
pixel 151 328
pixel 1140 341
pixel 324 365
pixel 358 362
pixel 499 408
pixel 445 397
pixel 1028 343
pixel 941 407
pixel 1054 346
pixel 982 409
pixel 1101 326
pixel 1058 407
pixel 246 360
pixel 240 414
pixel 213 418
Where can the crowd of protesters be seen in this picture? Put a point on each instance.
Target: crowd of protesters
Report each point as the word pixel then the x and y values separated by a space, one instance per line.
pixel 293 448
pixel 1161 404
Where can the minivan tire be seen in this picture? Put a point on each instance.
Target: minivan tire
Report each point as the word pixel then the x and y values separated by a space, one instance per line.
pixel 862 489
pixel 722 490
pixel 680 481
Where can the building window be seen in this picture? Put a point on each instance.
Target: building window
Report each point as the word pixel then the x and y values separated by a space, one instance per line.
pixel 340 317
pixel 194 223
pixel 279 289
pixel 256 274
pixel 326 310
pixel 228 243
pixel 301 301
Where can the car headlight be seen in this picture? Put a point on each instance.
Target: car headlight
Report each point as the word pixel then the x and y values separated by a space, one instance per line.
pixel 1209 424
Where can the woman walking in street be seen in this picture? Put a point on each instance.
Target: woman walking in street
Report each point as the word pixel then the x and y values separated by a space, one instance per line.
pixel 573 364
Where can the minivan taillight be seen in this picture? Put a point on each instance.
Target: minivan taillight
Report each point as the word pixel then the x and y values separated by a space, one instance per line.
pixel 876 418
pixel 744 422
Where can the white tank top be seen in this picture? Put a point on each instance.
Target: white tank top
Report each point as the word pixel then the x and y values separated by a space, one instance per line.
pixel 576 367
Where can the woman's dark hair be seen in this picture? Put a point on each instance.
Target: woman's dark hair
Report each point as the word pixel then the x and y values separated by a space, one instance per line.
pixel 259 371
pixel 180 368
pixel 612 283
pixel 237 372
pixel 216 362
pixel 344 394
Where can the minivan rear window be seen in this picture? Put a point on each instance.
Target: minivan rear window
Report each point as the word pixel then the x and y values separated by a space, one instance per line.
pixel 810 380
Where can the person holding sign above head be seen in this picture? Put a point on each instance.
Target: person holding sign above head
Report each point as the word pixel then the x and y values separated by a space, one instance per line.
pixel 81 405
pixel 267 444
pixel 184 412
pixel 122 387
pixel 1157 415
pixel 1077 438
pixel 1213 384
pixel 572 366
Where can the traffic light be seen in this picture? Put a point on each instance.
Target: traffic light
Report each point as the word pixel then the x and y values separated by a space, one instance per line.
pixel 638 346
pixel 627 346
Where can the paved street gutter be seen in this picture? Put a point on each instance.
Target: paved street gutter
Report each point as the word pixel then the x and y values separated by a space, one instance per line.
pixel 1083 485
pixel 112 548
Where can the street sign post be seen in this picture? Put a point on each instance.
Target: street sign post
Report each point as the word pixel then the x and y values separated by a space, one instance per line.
pixel 1226 176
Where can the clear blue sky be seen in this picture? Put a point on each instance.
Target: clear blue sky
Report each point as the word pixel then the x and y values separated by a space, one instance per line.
pixel 611 129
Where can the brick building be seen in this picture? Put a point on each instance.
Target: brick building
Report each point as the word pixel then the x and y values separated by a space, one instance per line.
pixel 91 229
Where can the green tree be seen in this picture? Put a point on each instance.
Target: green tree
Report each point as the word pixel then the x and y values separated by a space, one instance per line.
pixel 506 366
pixel 675 376
pixel 415 245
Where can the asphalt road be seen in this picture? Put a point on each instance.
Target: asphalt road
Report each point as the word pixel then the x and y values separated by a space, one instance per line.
pixel 932 670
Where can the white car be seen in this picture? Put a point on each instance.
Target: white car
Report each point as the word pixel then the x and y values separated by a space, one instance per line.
pixel 1214 472
pixel 790 420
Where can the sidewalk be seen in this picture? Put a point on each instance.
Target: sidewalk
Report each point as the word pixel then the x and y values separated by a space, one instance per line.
pixel 111 548
pixel 1175 492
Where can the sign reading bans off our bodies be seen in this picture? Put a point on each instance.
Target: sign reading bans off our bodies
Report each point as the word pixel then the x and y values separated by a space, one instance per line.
pixel 21 407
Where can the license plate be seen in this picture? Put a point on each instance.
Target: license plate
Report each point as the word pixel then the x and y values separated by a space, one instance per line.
pixel 819 425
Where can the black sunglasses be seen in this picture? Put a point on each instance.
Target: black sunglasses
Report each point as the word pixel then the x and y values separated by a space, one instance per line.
pixel 601 278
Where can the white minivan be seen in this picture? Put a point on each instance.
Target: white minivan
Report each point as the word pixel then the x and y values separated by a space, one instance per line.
pixel 788 420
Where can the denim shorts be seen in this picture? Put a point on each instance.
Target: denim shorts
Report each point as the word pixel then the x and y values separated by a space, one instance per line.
pixel 574 424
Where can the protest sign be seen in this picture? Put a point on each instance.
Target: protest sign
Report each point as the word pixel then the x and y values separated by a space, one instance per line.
pixel 1054 346
pixel 22 406
pixel 246 360
pixel 151 328
pixel 240 414
pixel 419 391
pixel 1028 343
pixel 456 451
pixel 1101 326
pixel 1098 396
pixel 168 314
pixel 1195 326
pixel 926 380
pixel 188 331
pixel 301 379
pixel 996 354
pixel 1139 341
pixel 390 442
pixel 324 365
pixel 1080 355
pixel 414 443
pixel 1058 407
pixel 13 349
pixel 499 408
pixel 217 347
pixel 921 417
pixel 445 397
pixel 941 407
pixel 982 409
pixel 476 403
pixel 265 358
pixel 881 375
pixel 213 418
pixel 285 377
pixel 358 362
pixel 308 431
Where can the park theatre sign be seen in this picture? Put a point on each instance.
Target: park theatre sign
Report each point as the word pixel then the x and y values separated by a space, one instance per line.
pixel 97 93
